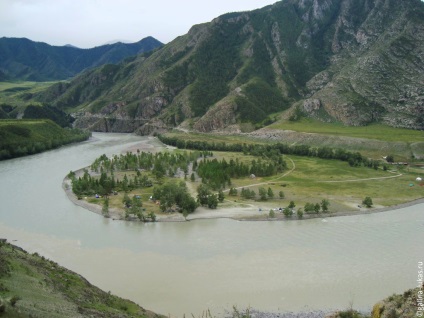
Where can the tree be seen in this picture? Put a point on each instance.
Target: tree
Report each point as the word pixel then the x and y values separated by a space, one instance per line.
pixel 233 192
pixel 262 194
pixel 221 196
pixel 281 194
pixel 271 214
pixel 390 158
pixel 152 216
pixel 270 193
pixel 287 212
pixel 324 205
pixel 299 213
pixel 192 177
pixel 317 208
pixel 309 207
pixel 367 202
pixel 105 207
pixel 292 205
pixel 126 200
pixel 212 201
pixel 188 204
pixel 203 193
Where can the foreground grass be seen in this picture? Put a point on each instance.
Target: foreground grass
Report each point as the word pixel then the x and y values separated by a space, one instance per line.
pixel 31 286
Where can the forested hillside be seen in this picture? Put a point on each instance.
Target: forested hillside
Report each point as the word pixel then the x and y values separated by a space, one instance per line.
pixel 25 137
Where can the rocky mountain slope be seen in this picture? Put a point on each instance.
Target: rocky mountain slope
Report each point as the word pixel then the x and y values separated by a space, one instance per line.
pixel 23 59
pixel 351 61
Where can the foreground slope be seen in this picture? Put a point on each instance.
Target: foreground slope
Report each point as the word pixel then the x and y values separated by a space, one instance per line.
pixel 354 62
pixel 31 286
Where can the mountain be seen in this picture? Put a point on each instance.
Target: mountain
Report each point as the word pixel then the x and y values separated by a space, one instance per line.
pixel 349 61
pixel 23 59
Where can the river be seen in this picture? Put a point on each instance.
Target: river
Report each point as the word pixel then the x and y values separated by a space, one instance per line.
pixel 189 267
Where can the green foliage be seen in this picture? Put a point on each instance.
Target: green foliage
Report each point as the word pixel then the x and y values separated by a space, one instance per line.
pixel 324 205
pixel 309 208
pixel 271 214
pixel 173 195
pixel 203 192
pixel 48 112
pixel 262 194
pixel 247 194
pixel 274 152
pixel 259 65
pixel 221 196
pixel 214 64
pixel 270 193
pixel 212 201
pixel 105 206
pixel 260 99
pixel 288 212
pixel 218 174
pixel 297 114
pixel 367 202
pixel 390 158
pixel 25 137
pixel 299 213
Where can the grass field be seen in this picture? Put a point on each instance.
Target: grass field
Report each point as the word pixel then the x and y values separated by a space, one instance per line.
pixel 373 131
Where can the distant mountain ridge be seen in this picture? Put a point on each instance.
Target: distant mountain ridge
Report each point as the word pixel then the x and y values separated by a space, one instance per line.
pixel 23 59
pixel 349 61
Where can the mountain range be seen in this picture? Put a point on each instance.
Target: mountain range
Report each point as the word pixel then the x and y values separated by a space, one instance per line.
pixel 351 61
pixel 23 59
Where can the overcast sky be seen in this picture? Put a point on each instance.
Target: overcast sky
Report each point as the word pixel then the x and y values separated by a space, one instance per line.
pixel 89 23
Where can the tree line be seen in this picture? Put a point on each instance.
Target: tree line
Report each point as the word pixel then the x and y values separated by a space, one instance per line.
pixel 217 174
pixel 354 159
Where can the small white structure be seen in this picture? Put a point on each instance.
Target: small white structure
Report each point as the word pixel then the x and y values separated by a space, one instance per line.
pixel 418 179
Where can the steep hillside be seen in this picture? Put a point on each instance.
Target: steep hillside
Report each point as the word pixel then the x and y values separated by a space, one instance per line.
pixel 23 59
pixel 351 61
pixel 31 286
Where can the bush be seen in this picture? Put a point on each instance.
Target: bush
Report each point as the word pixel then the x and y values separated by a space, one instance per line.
pixel 367 202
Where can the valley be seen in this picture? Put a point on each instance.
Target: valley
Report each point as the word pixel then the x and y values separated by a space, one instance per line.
pixel 304 112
